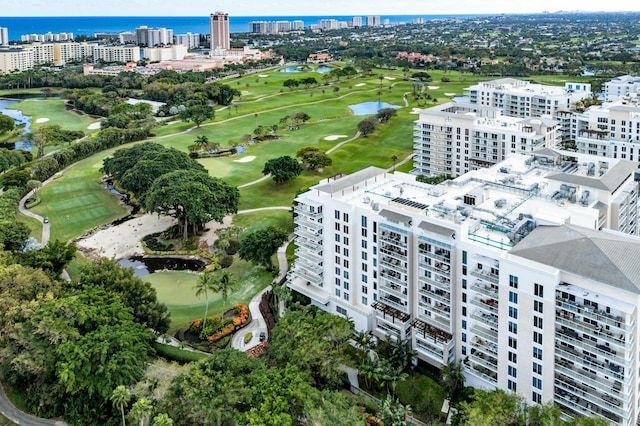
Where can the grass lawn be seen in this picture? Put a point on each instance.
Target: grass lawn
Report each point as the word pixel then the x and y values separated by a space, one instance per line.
pixel 35 226
pixel 250 222
pixel 55 111
pixel 75 202
pixel 175 289
pixel 423 394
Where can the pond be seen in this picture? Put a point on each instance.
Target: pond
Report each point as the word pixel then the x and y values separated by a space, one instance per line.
pixel 143 266
pixel 20 119
pixel 369 108
pixel 321 69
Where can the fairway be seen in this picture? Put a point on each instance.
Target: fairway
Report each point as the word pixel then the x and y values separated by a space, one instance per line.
pixel 53 109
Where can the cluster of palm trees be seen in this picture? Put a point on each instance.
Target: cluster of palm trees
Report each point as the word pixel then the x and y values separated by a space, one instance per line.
pixel 140 410
pixel 223 283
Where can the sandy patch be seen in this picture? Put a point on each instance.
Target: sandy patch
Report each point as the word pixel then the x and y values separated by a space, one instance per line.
pixel 93 126
pixel 389 78
pixel 361 84
pixel 209 236
pixel 449 94
pixel 416 111
pixel 263 75
pixel 334 137
pixel 42 120
pixel 246 159
pixel 123 240
pixel 433 87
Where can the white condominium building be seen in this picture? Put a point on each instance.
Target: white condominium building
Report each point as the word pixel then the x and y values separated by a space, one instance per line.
pixel 372 21
pixel 621 86
pixel 455 138
pixel 110 54
pixel 152 37
pixel 356 21
pixel 4 36
pixel 609 130
pixel 12 60
pixel 191 40
pixel 520 272
pixel 518 98
pixel 177 52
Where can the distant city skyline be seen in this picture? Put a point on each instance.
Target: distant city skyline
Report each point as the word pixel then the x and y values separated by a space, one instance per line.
pixel 298 8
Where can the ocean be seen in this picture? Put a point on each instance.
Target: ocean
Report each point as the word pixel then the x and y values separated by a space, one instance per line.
pixel 89 25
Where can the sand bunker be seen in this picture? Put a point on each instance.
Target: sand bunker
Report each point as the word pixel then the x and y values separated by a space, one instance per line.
pixel 433 87
pixel 389 78
pixel 334 137
pixel 361 84
pixel 246 159
pixel 93 126
pixel 42 120
pixel 124 240
pixel 449 94
pixel 263 75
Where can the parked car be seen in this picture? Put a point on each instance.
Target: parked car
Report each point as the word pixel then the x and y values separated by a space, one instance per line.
pixel 45 220
pixel 263 336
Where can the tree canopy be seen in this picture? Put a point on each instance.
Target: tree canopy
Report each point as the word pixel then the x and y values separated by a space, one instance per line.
pixel 313 158
pixel 282 169
pixel 259 246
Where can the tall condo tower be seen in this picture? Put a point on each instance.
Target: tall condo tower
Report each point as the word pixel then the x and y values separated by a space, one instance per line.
pixel 4 36
pixel 219 23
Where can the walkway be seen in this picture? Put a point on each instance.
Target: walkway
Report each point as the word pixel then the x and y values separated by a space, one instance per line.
pixel 21 418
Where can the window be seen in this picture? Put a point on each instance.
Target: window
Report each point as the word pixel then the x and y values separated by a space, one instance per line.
pixel 363 221
pixel 537 306
pixel 464 324
pixel 513 312
pixel 345 229
pixel 537 353
pixel 365 301
pixel 513 357
pixel 364 244
pixel 364 255
pixel 537 337
pixel 537 368
pixel 513 297
pixel 345 263
pixel 537 322
pixel 345 217
pixel 337 247
pixel 336 214
pixel 346 285
pixel 345 240
pixel 337 271
pixel 464 297
pixel 364 267
pixel 538 290
pixel 513 327
pixel 464 311
pixel 536 397
pixel 346 275
pixel 513 281
pixel 341 310
pixel 345 251
pixel 464 283
pixel 511 385
pixel 346 296
pixel 513 343
pixel 338 282
pixel 537 383
pixel 364 233
pixel 338 292
pixel 464 337
pixel 464 257
pixel 365 278
pixel 512 371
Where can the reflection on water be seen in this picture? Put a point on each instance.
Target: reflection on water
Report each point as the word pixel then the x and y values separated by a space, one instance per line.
pixel 148 265
pixel 369 108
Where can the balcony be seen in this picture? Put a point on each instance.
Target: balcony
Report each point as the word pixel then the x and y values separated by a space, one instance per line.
pixel 309 256
pixel 305 222
pixel 569 307
pixel 305 232
pixel 609 369
pixel 437 294
pixel 485 289
pixel 481 345
pixel 390 311
pixel 485 275
pixel 486 333
pixel 302 211
pixel 572 338
pixel 394 289
pixel 489 304
pixel 618 340
pixel 486 361
pixel 310 277
pixel 312 245
pixel 488 319
pixel 596 400
pixel 394 301
pixel 301 285
pixel 440 336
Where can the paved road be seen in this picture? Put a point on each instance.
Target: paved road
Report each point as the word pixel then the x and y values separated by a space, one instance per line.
pixel 23 419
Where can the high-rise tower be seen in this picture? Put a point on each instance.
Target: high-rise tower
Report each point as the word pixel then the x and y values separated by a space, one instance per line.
pixel 219 23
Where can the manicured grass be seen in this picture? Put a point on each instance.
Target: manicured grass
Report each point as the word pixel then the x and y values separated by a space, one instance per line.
pixel 54 110
pixel 34 225
pixel 73 268
pixel 175 289
pixel 76 202
pixel 423 394
pixel 250 222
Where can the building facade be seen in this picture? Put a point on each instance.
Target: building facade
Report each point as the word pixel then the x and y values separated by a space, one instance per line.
pixel 219 28
pixel 110 54
pixel 12 59
pixel 455 138
pixel 620 87
pixel 4 36
pixel 152 37
pixel 520 272
pixel 191 40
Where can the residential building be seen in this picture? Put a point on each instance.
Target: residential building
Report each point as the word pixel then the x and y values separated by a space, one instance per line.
pixel 4 36
pixel 609 130
pixel 521 272
pixel 110 54
pixel 455 138
pixel 191 40
pixel 48 37
pixel 152 37
pixel 356 22
pixel 373 21
pixel 328 24
pixel 620 87
pixel 219 25
pixel 176 52
pixel 519 98
pixel 64 53
pixel 128 37
pixel 15 59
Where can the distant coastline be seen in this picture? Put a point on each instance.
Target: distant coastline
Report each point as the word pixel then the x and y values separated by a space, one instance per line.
pixel 89 25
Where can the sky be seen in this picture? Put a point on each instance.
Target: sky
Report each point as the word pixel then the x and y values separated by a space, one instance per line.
pixel 299 7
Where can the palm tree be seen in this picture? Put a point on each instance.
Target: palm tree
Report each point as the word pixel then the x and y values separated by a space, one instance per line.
pixel 370 370
pixel 363 340
pixel 120 398
pixel 206 282
pixel 162 420
pixel 202 141
pixel 452 378
pixel 141 410
pixel 394 158
pixel 224 285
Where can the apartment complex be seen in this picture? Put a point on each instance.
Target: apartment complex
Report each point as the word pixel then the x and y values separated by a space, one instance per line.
pixel 519 98
pixel 219 29
pixel 110 54
pixel 372 21
pixel 522 272
pixel 176 52
pixel 620 87
pixel 455 138
pixel 152 37
pixel 4 36
pixel 609 130
pixel 191 40
pixel 25 57
pixel 47 37
pixel 356 21
pixel 275 27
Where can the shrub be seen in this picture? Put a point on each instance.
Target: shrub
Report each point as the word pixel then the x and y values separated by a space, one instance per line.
pixel 176 354
pixel 223 342
pixel 234 246
pixel 248 337
pixel 225 261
